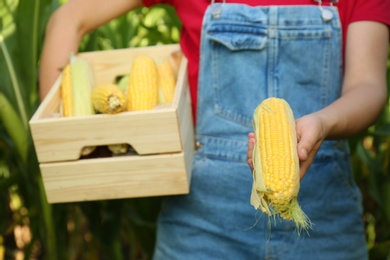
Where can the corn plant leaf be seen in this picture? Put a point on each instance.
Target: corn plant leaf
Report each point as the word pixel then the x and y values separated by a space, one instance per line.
pixel 372 180
pixel 385 193
pixel 14 127
pixel 30 18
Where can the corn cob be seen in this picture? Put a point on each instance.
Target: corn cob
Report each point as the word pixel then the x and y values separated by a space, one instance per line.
pixel 117 149
pixel 108 99
pixel 175 60
pixel 81 92
pixel 276 165
pixel 81 86
pixel 143 84
pixel 66 92
pixel 166 82
pixel 123 83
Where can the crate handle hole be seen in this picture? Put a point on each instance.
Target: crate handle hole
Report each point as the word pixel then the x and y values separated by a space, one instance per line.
pixel 104 151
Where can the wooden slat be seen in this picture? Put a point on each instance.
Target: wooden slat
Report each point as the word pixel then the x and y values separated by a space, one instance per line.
pixel 114 178
pixel 61 139
pixel 107 65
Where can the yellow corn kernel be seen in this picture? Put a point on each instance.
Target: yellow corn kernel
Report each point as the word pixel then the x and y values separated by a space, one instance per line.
pixel 143 84
pixel 276 164
pixel 166 82
pixel 66 92
pixel 108 99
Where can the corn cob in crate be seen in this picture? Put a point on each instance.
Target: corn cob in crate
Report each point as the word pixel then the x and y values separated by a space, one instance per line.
pixel 66 91
pixel 166 82
pixel 276 165
pixel 82 83
pixel 123 83
pixel 76 86
pixel 143 84
pixel 108 99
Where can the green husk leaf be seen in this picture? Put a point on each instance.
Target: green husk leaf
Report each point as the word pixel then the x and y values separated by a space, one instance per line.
pixel 82 83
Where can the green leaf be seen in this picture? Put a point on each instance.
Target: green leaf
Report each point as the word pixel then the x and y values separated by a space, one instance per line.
pixel 374 166
pixel 15 83
pixel 14 127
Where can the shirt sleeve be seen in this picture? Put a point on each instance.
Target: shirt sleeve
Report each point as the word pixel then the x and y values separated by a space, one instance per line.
pixel 149 3
pixel 372 10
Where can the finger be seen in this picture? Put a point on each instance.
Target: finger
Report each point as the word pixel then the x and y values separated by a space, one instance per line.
pixel 303 153
pixel 307 157
pixel 305 146
pixel 306 149
pixel 305 165
pixel 250 163
pixel 252 138
pixel 251 145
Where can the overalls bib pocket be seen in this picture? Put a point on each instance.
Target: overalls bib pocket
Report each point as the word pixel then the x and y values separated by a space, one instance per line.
pixel 254 53
pixel 237 55
pixel 303 78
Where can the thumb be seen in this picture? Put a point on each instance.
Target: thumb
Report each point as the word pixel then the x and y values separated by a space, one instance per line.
pixel 303 153
pixel 307 149
pixel 304 147
pixel 310 135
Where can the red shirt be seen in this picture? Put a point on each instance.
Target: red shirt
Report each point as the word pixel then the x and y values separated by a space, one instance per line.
pixel 191 15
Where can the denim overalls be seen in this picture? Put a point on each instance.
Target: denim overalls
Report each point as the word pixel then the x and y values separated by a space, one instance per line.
pixel 248 54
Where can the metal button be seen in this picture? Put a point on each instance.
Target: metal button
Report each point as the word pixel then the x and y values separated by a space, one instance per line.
pixel 198 145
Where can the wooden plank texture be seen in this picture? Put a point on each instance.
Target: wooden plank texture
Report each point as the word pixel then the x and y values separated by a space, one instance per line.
pixel 61 139
pixel 114 178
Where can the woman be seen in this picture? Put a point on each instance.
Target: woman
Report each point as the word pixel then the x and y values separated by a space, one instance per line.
pixel 328 60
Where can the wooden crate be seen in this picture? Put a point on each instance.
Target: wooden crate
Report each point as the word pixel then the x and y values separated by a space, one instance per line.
pixel 163 139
